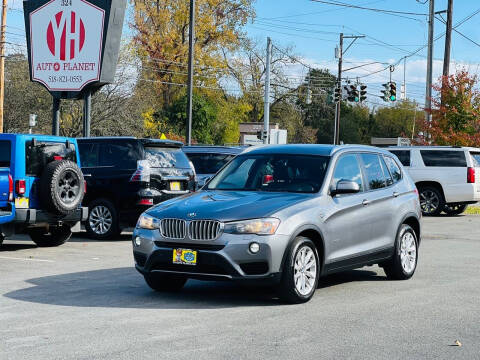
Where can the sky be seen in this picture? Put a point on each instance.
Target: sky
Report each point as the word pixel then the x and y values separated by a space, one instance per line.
pixel 312 29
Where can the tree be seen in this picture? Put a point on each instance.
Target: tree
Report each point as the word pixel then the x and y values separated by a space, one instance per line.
pixel 23 97
pixel 161 38
pixel 402 119
pixel 455 112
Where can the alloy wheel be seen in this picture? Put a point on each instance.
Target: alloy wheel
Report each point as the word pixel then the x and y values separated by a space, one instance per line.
pixel 305 270
pixel 100 219
pixel 429 201
pixel 408 252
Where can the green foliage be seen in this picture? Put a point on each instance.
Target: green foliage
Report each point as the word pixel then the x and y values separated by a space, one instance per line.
pixel 397 120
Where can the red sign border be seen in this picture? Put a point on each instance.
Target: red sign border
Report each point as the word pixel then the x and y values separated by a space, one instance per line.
pixel 99 55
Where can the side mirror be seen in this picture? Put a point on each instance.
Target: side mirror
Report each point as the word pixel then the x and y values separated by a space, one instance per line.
pixel 345 187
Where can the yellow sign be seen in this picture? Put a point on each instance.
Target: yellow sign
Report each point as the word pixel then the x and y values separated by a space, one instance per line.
pixel 21 203
pixel 163 137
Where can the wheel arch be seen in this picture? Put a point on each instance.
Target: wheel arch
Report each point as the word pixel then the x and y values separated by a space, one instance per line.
pixel 412 220
pixel 434 184
pixel 313 233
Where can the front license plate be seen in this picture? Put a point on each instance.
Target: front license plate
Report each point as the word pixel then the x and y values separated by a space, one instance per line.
pixel 184 256
pixel 175 185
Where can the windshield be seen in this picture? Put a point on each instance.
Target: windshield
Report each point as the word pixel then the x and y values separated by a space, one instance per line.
pixel 209 163
pixel 272 172
pixel 161 157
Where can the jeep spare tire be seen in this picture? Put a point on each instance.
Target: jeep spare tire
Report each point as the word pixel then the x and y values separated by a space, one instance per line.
pixel 61 187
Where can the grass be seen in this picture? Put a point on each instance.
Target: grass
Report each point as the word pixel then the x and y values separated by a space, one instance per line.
pixel 473 210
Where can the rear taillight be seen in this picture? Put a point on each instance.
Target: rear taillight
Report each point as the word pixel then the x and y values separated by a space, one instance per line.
pixel 10 188
pixel 58 158
pixel 142 173
pixel 20 187
pixel 471 175
pixel 145 202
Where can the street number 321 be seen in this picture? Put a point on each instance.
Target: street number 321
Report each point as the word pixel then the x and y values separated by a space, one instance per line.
pixel 66 3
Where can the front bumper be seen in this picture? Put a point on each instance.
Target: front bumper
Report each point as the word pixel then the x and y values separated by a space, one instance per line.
pixel 227 258
pixel 35 216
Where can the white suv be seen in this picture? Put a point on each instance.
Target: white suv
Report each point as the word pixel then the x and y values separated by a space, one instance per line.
pixel 447 178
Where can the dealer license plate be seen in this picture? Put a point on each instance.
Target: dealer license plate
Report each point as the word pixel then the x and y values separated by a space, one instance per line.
pixel 184 256
pixel 175 185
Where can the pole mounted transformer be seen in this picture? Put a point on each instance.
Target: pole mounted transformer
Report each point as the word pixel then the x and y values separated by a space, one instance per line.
pixel 72 48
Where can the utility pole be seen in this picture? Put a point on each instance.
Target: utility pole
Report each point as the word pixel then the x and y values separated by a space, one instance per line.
pixel 428 92
pixel 191 49
pixel 448 41
pixel 56 117
pixel 404 96
pixel 341 52
pixel 2 61
pixel 336 131
pixel 266 111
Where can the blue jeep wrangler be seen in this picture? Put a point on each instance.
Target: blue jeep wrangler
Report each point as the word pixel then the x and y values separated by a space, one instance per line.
pixel 41 187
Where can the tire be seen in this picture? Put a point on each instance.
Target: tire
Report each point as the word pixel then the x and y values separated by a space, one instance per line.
pixel 454 209
pixel 164 282
pixel 299 279
pixel 61 187
pixel 55 236
pixel 431 201
pixel 102 222
pixel 403 263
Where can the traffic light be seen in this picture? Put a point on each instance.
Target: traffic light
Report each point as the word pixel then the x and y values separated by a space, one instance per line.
pixel 363 92
pixel 393 91
pixel 353 95
pixel 386 92
pixel 337 95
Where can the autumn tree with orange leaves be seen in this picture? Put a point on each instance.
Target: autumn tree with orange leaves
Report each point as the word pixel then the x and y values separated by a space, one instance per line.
pixel 455 112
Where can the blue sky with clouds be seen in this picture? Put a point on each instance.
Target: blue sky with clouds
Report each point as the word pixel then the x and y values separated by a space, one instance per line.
pixel 312 29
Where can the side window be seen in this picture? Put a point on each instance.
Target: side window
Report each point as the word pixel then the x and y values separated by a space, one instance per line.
pixel 347 168
pixel 403 156
pixel 123 155
pixel 373 171
pixel 4 153
pixel 386 172
pixel 447 158
pixel 394 169
pixel 89 154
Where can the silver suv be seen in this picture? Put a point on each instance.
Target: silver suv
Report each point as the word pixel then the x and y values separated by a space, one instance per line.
pixel 288 215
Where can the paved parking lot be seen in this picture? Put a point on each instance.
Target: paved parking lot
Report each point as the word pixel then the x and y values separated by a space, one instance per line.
pixel 84 300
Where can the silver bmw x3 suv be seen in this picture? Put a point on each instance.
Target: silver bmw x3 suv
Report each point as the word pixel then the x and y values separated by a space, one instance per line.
pixel 287 215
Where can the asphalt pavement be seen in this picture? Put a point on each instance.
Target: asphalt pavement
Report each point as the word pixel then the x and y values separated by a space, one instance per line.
pixel 84 300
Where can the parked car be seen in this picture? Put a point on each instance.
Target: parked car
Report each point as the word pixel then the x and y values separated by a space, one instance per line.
pixel 288 215
pixel 447 178
pixel 207 160
pixel 41 188
pixel 125 176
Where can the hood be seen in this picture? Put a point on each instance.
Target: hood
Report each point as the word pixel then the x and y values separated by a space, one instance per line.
pixel 226 205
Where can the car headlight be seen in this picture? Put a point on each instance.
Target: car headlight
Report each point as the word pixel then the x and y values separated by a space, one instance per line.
pixel 266 226
pixel 147 222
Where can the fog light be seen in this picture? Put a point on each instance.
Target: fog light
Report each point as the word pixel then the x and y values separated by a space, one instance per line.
pixel 138 241
pixel 254 247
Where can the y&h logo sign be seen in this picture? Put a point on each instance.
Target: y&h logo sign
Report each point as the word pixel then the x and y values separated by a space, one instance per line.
pixel 66 44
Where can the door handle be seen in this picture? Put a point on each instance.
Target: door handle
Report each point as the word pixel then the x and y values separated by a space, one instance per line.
pixel 365 202
pixel 395 194
pixel 87 175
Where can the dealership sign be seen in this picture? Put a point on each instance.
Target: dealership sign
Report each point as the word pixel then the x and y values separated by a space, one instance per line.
pixel 73 44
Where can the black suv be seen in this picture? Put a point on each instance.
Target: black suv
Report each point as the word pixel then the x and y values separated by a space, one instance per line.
pixel 126 175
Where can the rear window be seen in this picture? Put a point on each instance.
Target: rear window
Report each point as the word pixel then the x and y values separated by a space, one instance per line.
pixel 209 163
pixel 475 158
pixel 88 154
pixel 163 157
pixel 403 156
pixel 445 158
pixel 5 153
pixel 38 156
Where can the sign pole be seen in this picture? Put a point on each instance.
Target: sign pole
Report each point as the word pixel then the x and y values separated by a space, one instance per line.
pixel 191 50
pixel 56 116
pixel 2 60
pixel 87 106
